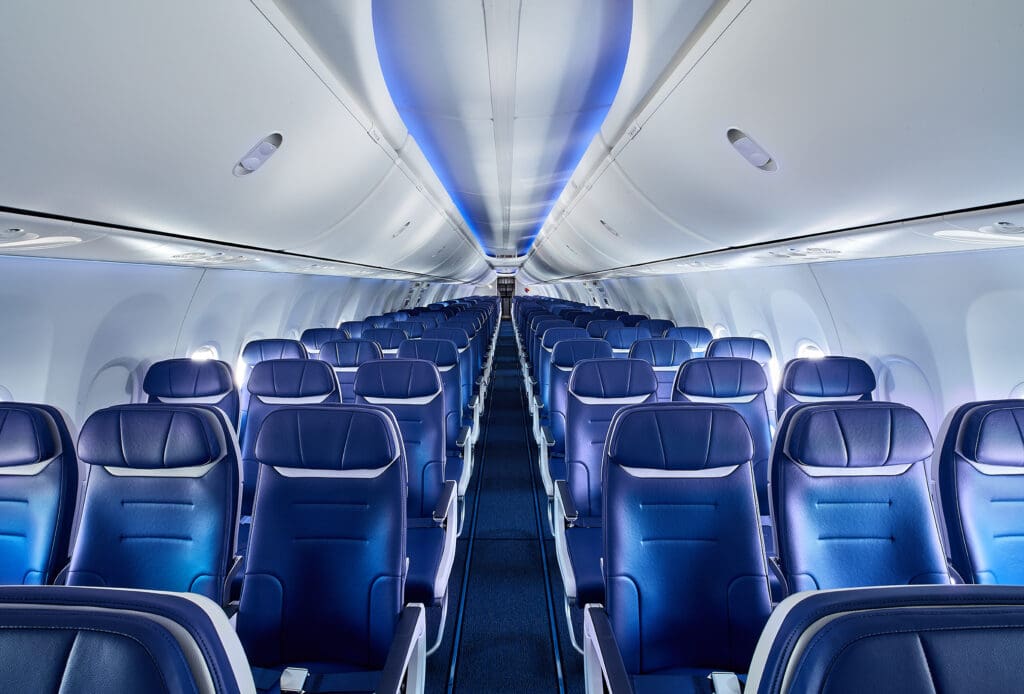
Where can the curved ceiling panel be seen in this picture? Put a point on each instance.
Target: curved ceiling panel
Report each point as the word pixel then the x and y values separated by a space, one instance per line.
pixel 503 97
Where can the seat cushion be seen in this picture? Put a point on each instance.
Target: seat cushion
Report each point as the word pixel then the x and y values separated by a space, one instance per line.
pixel 584 545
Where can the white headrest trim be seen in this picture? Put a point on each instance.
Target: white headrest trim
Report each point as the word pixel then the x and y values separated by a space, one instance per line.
pixel 346 369
pixel 872 471
pixel 630 400
pixel 307 400
pixel 419 400
pixel 204 400
pixel 825 398
pixel 190 472
pixel 656 473
pixel 27 470
pixel 985 469
pixel 666 368
pixel 367 474
pixel 738 400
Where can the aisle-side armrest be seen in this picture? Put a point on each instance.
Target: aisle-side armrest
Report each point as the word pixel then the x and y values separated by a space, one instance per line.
pixel 568 504
pixel 408 651
pixel 446 502
pixel 601 653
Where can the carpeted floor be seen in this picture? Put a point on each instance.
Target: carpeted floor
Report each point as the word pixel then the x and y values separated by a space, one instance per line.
pixel 506 626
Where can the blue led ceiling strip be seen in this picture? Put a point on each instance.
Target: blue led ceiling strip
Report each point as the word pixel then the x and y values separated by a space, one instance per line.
pixel 404 34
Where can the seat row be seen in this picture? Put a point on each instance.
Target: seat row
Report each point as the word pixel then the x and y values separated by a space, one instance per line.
pixel 322 501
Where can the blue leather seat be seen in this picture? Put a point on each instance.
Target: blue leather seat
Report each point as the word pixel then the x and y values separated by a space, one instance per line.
pixel 387 339
pixel 39 483
pixel 430 319
pixel 747 347
pixel 564 356
pixel 314 338
pixel 550 338
pixel 354 328
pixel 345 357
pixel 632 320
pixel 657 327
pixel 598 328
pixel 665 356
pixel 460 338
pixel 412 329
pixel 252 354
pixel 622 339
pixel 324 586
pixel 696 336
pixel 273 384
pixel 538 338
pixel 411 389
pixel 375 322
pixel 740 384
pixel 981 483
pixel 444 355
pixel 598 388
pixel 104 640
pixel 685 570
pixel 819 380
pixel 850 498
pixel 191 382
pixel 896 639
pixel 583 320
pixel 161 499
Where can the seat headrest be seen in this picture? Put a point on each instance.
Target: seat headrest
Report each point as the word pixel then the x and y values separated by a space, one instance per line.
pixel 992 435
pixel 679 436
pixel 354 328
pixel 553 336
pixel 656 326
pixel 471 327
pixel 349 353
pixel 27 435
pixel 412 329
pixel 338 437
pixel 746 347
pixel 457 335
pixel 387 338
pixel 440 352
pixel 151 437
pixel 623 338
pixel 829 377
pixel 661 351
pixel 397 378
pixel 188 378
pixel 374 321
pixel 696 336
pixel 292 378
pixel 546 325
pixel 567 353
pixel 598 328
pixel 262 350
pixel 633 319
pixel 314 338
pixel 613 378
pixel 857 434
pixel 725 377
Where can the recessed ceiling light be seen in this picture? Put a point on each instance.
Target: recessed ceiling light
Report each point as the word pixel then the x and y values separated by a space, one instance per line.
pixel 750 150
pixel 258 155
pixel 401 229
pixel 32 241
pixel 212 258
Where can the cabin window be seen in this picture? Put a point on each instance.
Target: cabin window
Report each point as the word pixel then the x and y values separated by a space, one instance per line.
pixel 5 394
pixel 204 353
pixel 720 331
pixel 807 349
pixel 774 372
pixel 1017 393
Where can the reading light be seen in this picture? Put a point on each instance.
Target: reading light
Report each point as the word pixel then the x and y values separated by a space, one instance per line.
pixel 750 150
pixel 258 155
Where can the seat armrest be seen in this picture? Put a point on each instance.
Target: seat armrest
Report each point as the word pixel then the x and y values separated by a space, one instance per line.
pixel 463 437
pixel 408 647
pixel 601 653
pixel 954 576
pixel 548 436
pixel 237 562
pixel 533 380
pixel 475 402
pixel 446 502
pixel 778 586
pixel 568 504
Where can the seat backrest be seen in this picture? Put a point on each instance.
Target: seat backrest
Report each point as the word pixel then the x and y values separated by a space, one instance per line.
pixel 277 383
pixel 895 639
pixel 583 320
pixel 538 338
pixel 665 356
pixel 740 384
pixel 38 484
pixel 412 329
pixel 827 379
pixel 632 320
pixel 192 382
pixel 850 497
pixel 325 571
pixel 685 568
pixel 443 355
pixel 564 356
pixel 599 328
pixel 598 388
pixel 696 336
pixel 354 328
pixel 375 321
pixel 411 389
pixel 253 353
pixel 981 483
pixel 345 356
pixel 622 339
pixel 314 338
pixel 387 339
pixel 656 326
pixel 548 341
pixel 460 338
pixel 747 347
pixel 161 500
pixel 102 639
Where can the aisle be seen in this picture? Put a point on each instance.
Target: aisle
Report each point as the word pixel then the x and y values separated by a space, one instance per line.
pixel 506 634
